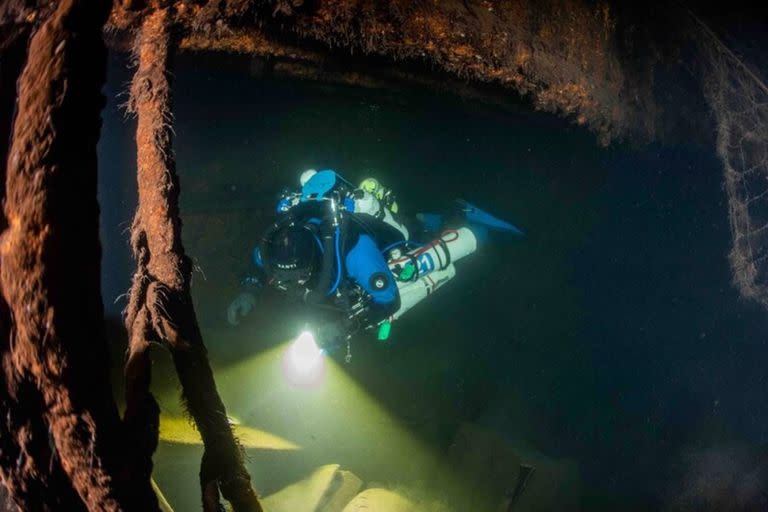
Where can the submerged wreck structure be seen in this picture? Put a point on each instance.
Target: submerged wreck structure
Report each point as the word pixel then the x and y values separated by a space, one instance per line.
pixel 63 443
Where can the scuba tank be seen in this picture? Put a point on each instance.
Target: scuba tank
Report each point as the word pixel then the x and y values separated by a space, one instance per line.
pixel 421 271
pixel 452 245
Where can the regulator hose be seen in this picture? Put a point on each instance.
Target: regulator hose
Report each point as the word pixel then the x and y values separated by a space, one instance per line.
pixel 323 287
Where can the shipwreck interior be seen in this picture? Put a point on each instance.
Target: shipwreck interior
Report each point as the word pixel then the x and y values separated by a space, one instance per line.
pixel 611 358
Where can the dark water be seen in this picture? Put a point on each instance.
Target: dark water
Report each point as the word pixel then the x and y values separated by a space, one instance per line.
pixel 609 337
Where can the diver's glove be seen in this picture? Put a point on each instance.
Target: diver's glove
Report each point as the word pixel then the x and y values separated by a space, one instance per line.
pixel 240 307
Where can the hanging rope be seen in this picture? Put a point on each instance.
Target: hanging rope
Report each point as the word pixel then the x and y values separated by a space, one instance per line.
pixel 160 308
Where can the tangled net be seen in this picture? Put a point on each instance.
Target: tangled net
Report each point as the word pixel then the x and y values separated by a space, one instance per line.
pixel 739 101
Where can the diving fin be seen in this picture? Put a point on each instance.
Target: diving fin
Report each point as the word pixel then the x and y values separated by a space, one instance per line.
pixel 487 222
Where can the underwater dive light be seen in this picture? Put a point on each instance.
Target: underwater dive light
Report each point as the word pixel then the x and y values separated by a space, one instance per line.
pixel 303 361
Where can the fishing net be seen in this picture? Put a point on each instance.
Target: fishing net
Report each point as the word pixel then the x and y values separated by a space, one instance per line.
pixel 739 101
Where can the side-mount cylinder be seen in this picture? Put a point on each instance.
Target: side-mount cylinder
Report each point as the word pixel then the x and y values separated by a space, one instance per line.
pixel 451 246
pixel 432 266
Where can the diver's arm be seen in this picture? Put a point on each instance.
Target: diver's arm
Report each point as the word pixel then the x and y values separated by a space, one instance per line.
pixel 367 203
pixel 250 281
pixel 367 267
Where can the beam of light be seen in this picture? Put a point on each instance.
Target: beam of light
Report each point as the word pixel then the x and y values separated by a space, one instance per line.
pixel 174 429
pixel 336 421
pixel 303 362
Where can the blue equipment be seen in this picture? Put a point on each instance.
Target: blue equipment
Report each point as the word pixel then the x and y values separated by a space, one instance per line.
pixel 318 185
pixel 480 221
pixel 476 216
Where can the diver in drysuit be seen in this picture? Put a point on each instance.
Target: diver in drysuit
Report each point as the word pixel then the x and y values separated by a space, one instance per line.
pixel 331 260
pixel 343 249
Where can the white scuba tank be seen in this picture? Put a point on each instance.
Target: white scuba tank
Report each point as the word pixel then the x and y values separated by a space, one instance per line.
pixel 434 266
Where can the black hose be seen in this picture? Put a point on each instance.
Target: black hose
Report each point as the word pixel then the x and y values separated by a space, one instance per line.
pixel 319 292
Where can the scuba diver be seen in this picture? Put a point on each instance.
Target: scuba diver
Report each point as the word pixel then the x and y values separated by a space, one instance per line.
pixel 344 251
